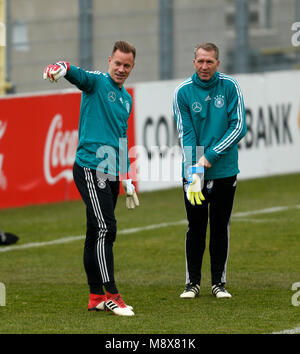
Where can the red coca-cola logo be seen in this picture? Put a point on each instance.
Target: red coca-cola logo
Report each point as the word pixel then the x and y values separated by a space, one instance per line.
pixel 59 152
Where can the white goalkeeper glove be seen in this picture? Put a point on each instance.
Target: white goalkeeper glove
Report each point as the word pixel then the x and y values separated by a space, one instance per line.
pixel 195 184
pixel 54 72
pixel 132 200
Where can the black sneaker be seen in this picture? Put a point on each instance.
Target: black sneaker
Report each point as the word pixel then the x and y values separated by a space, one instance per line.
pixel 191 291
pixel 219 291
pixel 7 238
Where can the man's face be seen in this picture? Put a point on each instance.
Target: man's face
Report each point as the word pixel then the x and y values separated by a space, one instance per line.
pixel 206 64
pixel 119 66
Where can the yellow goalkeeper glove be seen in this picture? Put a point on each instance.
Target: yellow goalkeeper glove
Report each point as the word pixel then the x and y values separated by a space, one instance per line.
pixel 195 184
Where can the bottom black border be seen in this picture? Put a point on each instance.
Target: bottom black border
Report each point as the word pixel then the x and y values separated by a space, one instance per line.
pixel 137 343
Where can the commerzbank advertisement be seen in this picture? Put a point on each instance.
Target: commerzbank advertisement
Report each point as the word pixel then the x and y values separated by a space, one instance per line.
pixel 271 145
pixel 38 139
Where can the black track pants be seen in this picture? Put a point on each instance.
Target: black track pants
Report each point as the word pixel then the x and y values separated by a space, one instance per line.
pixel 100 198
pixel 217 207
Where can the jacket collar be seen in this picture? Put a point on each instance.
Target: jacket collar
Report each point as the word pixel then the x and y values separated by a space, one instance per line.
pixel 206 84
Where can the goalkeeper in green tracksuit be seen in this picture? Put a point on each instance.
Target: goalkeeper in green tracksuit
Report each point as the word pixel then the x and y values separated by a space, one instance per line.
pixel 210 115
pixel 102 155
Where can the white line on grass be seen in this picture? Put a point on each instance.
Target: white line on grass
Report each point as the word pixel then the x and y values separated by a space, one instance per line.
pixel 289 331
pixel 148 227
pixel 266 211
pixel 151 227
pixel 256 221
pixel 75 238
pixel 41 244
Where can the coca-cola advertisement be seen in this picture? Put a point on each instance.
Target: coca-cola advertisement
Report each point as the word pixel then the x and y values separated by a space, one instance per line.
pixel 38 141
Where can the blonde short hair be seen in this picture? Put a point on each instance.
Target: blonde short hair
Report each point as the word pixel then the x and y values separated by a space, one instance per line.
pixel 208 47
pixel 124 47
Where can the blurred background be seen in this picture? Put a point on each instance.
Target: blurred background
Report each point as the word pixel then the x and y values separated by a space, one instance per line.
pixel 253 36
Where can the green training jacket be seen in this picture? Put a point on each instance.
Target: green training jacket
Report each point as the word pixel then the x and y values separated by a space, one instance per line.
pixel 210 114
pixel 102 131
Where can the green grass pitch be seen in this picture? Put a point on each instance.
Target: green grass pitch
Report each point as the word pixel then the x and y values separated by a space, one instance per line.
pixel 46 290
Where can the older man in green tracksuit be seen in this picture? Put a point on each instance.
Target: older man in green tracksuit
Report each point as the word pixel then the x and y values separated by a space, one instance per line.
pixel 102 155
pixel 210 115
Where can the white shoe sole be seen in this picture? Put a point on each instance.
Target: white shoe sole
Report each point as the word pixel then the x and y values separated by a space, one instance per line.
pixel 123 312
pixel 222 295
pixel 188 295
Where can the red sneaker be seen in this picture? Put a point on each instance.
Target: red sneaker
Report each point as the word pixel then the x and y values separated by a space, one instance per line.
pixel 116 304
pixel 97 302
